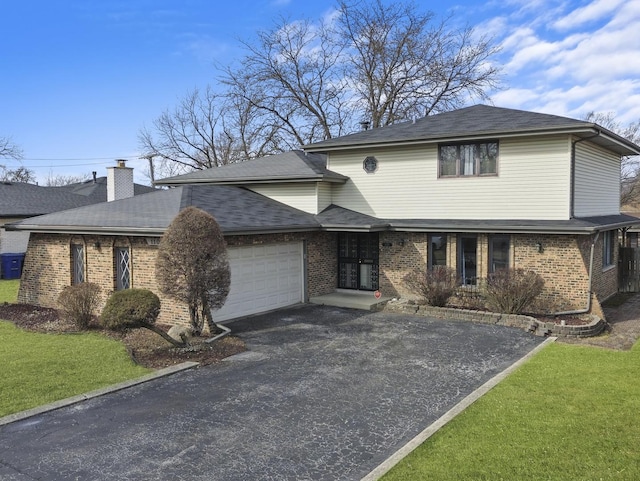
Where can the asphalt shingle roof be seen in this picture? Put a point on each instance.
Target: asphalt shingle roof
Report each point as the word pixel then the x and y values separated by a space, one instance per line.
pixel 241 211
pixel 237 210
pixel 294 165
pixel 18 199
pixel 476 121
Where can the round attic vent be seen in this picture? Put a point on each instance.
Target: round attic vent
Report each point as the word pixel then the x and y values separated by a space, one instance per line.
pixel 370 165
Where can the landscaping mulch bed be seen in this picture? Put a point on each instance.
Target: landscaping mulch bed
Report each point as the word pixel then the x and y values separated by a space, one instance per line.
pixel 145 347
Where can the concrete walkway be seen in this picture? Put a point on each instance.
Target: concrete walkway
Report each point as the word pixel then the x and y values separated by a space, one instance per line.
pixel 623 330
pixel 322 394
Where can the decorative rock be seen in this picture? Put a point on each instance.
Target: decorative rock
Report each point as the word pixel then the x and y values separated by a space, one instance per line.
pixel 180 333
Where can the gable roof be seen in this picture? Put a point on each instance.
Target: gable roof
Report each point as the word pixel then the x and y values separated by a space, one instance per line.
pixel 294 166
pixel 477 122
pixel 19 199
pixel 237 210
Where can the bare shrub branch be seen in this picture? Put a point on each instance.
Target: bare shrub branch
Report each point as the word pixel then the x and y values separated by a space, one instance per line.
pixel 434 286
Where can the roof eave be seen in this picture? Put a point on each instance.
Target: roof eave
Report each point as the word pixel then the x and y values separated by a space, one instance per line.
pixel 504 228
pixel 354 227
pixel 256 180
pixel 84 230
pixel 625 147
pixel 155 232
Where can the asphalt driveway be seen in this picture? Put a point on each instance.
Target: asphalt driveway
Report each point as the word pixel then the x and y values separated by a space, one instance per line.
pixel 322 394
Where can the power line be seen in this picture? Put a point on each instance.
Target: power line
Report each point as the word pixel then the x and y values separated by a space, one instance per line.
pixel 105 160
pixel 82 158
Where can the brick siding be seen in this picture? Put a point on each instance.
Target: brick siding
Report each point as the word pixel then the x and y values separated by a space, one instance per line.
pixel 48 266
pixel 563 264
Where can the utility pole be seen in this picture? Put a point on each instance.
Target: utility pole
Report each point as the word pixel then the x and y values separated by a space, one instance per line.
pixel 151 172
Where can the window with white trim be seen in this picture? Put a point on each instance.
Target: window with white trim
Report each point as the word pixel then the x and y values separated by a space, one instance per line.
pixel 609 242
pixel 468 159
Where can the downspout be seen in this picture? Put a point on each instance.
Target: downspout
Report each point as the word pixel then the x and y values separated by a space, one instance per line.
pixel 588 308
pixel 225 331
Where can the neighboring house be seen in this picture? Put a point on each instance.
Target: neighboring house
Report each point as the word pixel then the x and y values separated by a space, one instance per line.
pixel 20 200
pixel 477 189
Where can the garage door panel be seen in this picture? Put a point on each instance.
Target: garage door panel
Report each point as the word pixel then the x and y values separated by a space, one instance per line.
pixel 263 277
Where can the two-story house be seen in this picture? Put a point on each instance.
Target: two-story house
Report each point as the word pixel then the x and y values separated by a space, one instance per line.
pixel 477 189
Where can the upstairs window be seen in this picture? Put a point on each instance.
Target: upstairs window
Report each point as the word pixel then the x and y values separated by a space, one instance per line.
pixel 467 160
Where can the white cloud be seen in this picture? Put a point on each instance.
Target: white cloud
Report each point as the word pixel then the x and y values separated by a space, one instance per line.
pixel 594 11
pixel 597 67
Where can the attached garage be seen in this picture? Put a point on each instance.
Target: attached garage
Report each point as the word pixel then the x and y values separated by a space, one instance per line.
pixel 263 277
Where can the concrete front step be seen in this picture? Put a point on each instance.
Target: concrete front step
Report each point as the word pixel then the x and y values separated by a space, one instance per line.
pixel 353 300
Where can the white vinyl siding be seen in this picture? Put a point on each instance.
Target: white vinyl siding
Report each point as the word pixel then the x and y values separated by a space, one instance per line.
pixel 13 242
pixel 312 197
pixel 301 195
pixel 532 183
pixel 324 195
pixel 597 181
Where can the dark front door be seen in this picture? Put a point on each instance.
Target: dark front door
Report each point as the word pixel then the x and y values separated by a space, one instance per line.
pixel 358 261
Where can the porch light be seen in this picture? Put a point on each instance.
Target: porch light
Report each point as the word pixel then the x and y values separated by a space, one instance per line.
pixel 539 247
pixel 96 244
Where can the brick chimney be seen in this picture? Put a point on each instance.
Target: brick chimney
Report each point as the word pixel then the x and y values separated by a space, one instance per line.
pixel 119 181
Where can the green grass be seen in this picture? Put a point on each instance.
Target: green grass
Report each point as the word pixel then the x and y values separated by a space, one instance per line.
pixel 571 413
pixel 9 290
pixel 41 368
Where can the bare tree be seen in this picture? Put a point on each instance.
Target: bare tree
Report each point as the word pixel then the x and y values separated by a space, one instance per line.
pixel 302 81
pixel 9 149
pixel 192 265
pixel 630 165
pixel 58 180
pixel 205 130
pixel 293 75
pixel 187 136
pixel 402 64
pixel 19 174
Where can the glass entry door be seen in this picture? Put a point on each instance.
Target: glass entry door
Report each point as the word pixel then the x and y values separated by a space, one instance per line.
pixel 358 255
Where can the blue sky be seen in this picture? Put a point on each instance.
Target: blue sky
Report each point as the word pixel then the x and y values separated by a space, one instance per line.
pixel 81 78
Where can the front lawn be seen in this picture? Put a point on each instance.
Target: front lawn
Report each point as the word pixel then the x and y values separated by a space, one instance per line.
pixel 9 290
pixel 571 413
pixel 41 368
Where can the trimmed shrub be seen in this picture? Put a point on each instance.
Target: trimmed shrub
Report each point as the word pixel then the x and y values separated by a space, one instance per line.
pixel 192 266
pixel 511 291
pixel 434 286
pixel 130 309
pixel 79 302
pixel 135 309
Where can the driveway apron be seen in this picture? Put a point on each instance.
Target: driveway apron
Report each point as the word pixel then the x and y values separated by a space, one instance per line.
pixel 322 394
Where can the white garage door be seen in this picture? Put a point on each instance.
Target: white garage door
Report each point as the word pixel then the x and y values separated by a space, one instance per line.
pixel 263 277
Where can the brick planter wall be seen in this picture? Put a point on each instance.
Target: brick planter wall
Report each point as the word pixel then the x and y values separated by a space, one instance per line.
pixel 527 323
